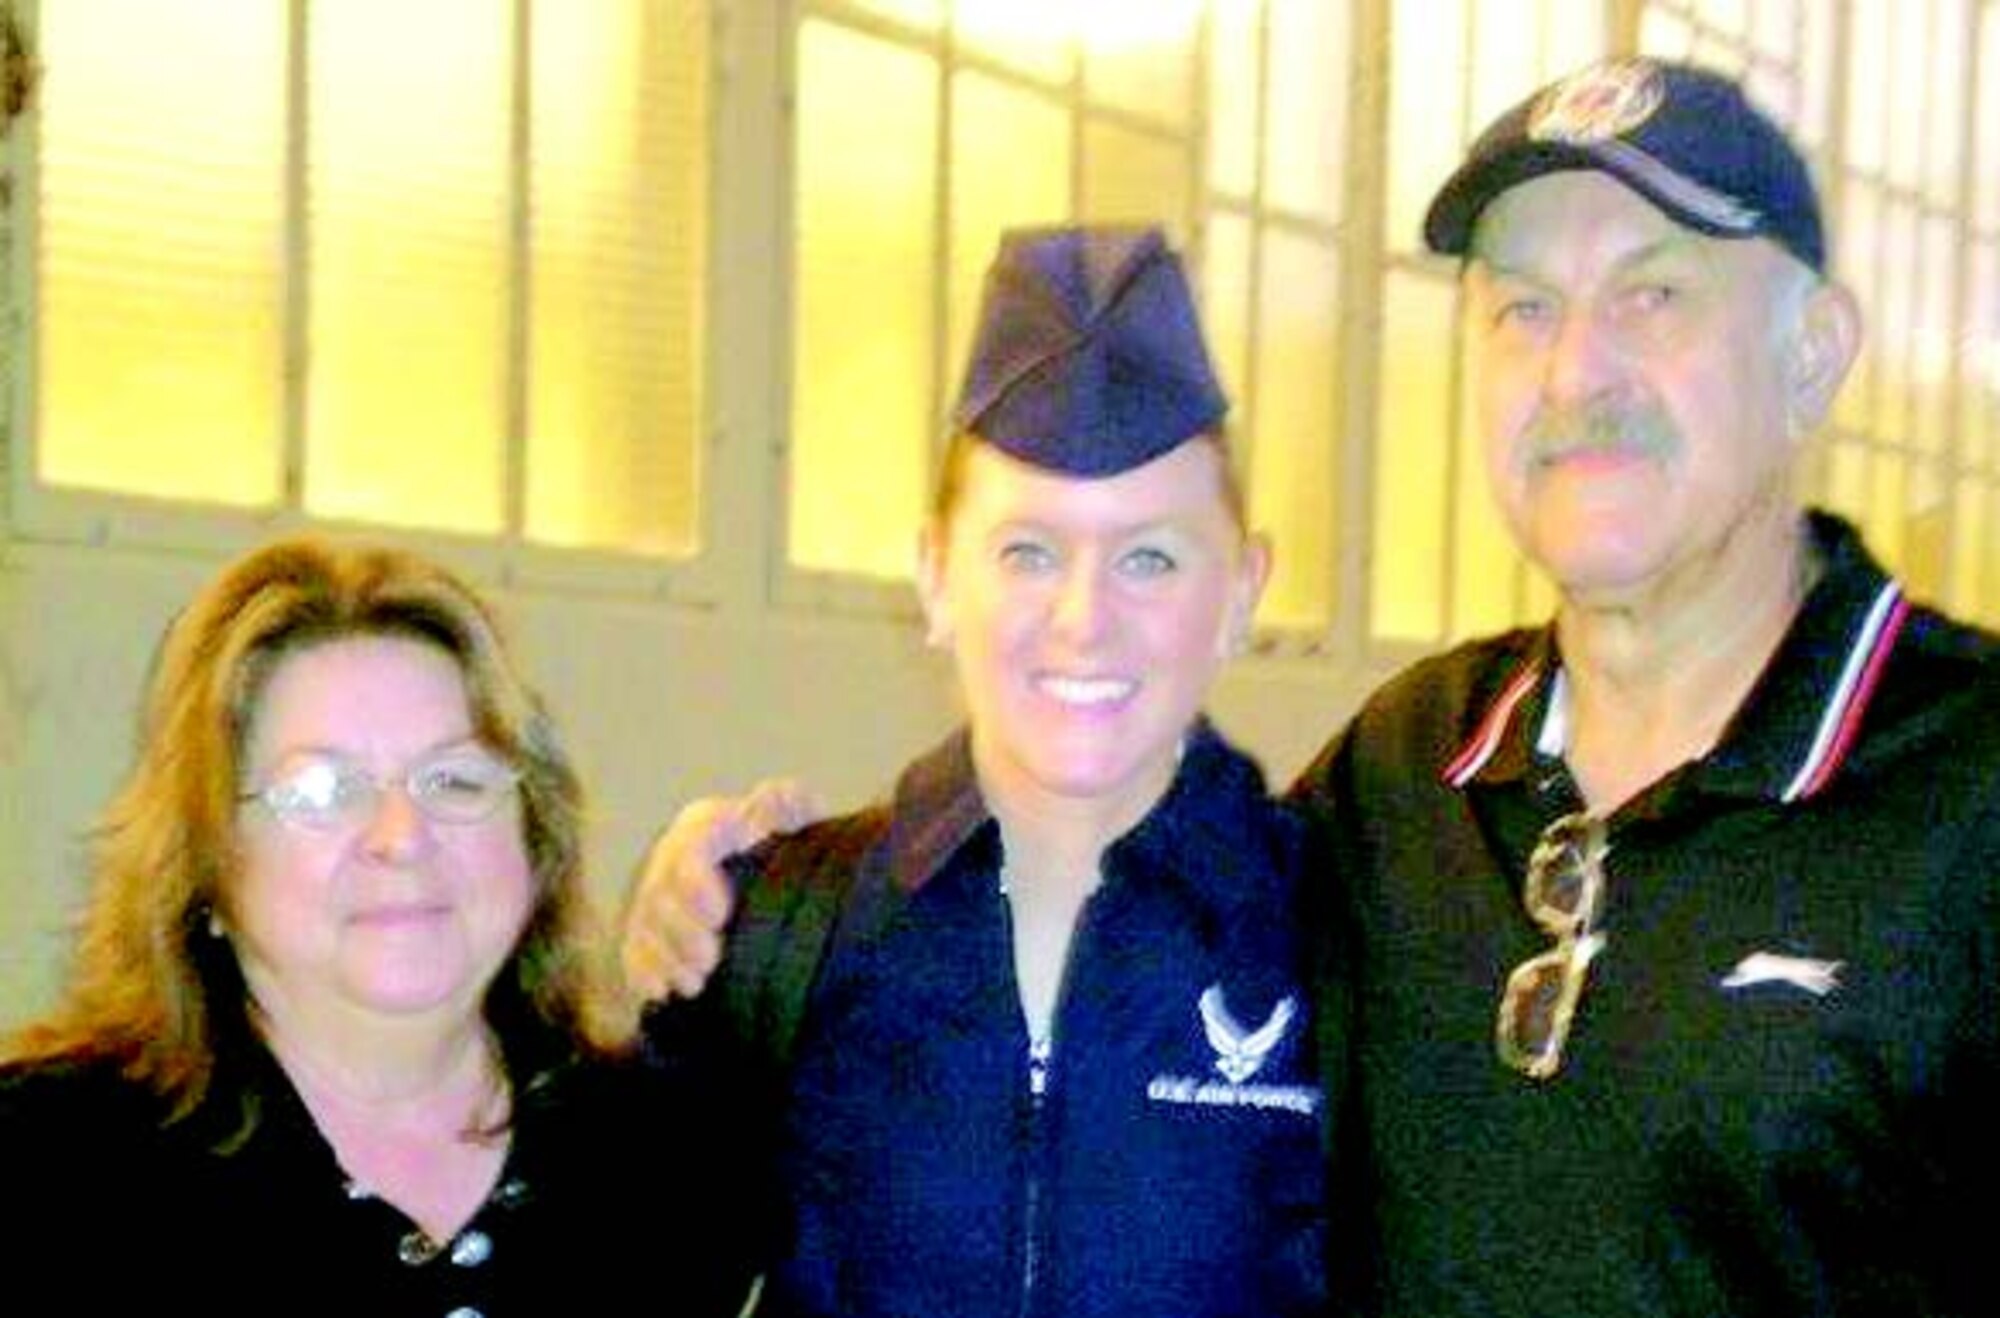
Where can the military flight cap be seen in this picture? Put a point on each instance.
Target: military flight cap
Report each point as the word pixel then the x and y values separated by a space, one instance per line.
pixel 1685 138
pixel 1088 359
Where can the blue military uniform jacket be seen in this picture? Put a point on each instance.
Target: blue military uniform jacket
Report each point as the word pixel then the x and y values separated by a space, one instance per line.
pixel 1162 1158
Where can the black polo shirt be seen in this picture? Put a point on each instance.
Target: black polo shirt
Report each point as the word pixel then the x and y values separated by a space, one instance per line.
pixel 615 1198
pixel 1776 1092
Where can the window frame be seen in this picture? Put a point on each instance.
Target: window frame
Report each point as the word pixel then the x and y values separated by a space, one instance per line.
pixel 35 512
pixel 742 559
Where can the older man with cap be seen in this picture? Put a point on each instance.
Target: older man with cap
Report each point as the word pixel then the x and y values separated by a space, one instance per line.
pixel 1679 919
pixel 1034 1030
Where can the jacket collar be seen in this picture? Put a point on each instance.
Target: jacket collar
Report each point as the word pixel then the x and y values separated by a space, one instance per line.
pixel 1210 833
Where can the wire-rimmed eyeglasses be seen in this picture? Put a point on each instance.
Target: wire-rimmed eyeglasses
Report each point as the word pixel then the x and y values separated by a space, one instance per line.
pixel 330 793
pixel 1564 885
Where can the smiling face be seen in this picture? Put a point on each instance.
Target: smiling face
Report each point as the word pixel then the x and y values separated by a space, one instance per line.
pixel 1642 387
pixel 1088 618
pixel 394 914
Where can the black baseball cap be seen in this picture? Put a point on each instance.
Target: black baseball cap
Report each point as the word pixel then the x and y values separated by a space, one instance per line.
pixel 1685 138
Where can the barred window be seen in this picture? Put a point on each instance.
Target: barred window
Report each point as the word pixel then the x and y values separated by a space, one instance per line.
pixel 432 266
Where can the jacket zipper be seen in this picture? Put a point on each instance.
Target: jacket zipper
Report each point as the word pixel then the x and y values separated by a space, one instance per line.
pixel 1039 1052
pixel 1041 1073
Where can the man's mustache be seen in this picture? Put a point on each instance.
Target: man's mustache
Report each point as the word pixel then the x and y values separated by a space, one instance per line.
pixel 1564 431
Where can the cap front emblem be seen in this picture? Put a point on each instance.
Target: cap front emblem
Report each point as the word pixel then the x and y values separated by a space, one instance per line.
pixel 1599 103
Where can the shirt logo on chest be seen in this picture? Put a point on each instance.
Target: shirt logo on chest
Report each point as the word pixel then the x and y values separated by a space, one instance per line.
pixel 1240 1053
pixel 1818 978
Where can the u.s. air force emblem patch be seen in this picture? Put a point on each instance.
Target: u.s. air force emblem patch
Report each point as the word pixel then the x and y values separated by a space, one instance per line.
pixel 1602 102
pixel 1240 1053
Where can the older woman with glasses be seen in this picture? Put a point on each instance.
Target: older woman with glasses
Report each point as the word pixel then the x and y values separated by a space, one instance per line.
pixel 333 1019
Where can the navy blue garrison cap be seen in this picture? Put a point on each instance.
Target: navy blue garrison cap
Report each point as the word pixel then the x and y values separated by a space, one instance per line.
pixel 1684 138
pixel 1088 359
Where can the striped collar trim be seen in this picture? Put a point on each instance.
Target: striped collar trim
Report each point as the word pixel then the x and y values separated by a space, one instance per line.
pixel 1841 719
pixel 1492 729
pixel 1839 722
